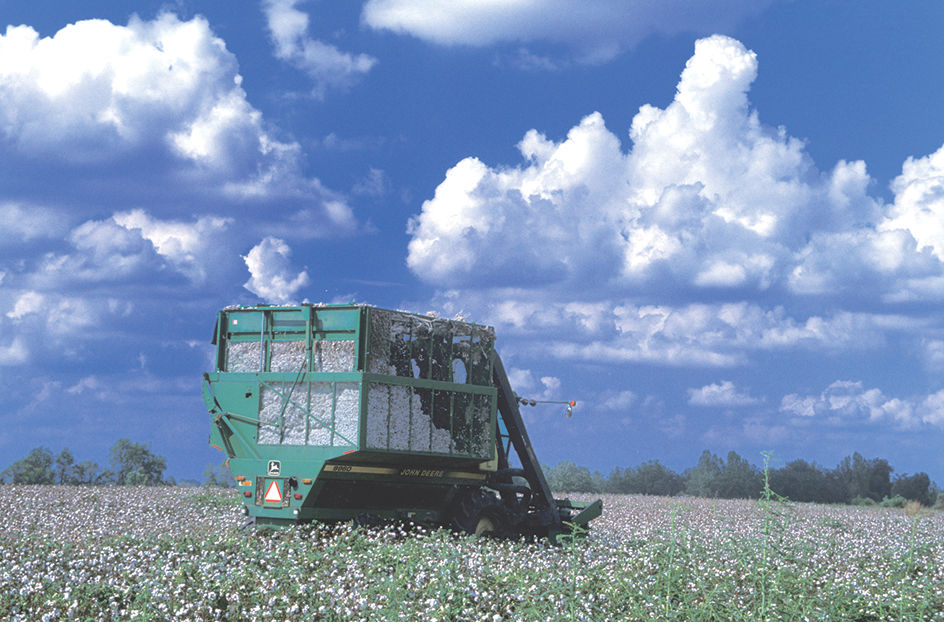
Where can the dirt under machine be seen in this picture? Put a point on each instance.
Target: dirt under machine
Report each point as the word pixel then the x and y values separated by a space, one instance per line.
pixel 350 412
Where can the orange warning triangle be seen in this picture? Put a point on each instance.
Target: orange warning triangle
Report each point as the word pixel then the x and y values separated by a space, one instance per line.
pixel 273 494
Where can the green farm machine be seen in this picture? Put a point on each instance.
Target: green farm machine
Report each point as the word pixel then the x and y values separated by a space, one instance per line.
pixel 354 413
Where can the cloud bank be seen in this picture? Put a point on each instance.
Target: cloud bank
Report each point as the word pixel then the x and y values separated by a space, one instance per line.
pixel 708 240
pixel 845 402
pixel 156 107
pixel 707 199
pixel 158 176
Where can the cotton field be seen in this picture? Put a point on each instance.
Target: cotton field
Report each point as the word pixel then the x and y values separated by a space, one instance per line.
pixel 115 553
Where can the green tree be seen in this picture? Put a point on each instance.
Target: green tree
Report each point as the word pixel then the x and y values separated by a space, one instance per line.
pixel 568 477
pixel 806 482
pixel 649 478
pixel 136 478
pixel 35 468
pixel 219 477
pixel 86 474
pixel 738 479
pixel 64 467
pixel 128 457
pixel 864 479
pixel 703 480
pixel 915 487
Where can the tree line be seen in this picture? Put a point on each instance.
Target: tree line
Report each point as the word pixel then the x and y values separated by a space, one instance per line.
pixel 132 464
pixel 855 481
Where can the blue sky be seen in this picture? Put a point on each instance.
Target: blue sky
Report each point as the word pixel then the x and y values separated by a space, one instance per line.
pixel 718 229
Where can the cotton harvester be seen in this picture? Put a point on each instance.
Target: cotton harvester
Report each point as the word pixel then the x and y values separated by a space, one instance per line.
pixel 350 412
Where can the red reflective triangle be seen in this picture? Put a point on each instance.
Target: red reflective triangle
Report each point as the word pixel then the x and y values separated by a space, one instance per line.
pixel 273 494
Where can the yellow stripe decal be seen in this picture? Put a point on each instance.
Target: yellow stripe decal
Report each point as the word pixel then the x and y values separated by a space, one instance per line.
pixel 408 472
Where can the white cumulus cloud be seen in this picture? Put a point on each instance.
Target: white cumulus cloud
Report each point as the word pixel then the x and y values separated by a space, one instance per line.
pixel 595 31
pixel 919 202
pixel 191 247
pixel 28 302
pixel 20 223
pixel 690 335
pixel 847 402
pixel 16 353
pixel 273 276
pixel 706 199
pixel 105 88
pixel 722 395
pixel 326 65
pixel 154 106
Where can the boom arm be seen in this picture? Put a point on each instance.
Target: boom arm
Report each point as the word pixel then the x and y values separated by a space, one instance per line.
pixel 545 508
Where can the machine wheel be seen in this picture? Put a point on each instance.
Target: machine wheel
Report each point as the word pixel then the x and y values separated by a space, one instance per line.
pixel 480 513
pixel 368 521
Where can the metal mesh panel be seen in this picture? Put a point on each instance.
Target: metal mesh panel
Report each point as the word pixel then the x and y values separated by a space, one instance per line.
pixel 285 426
pixel 337 405
pixel 334 356
pixel 329 356
pixel 399 418
pixel 347 412
pixel 412 346
pixel 287 356
pixel 481 435
pixel 242 356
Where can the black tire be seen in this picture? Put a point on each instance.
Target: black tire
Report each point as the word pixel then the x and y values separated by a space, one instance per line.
pixel 481 513
pixel 368 521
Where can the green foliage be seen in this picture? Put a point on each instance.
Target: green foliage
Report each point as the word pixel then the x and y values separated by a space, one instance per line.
pixel 739 479
pixel 913 488
pixel 806 482
pixel 649 478
pixel 135 464
pixel 701 481
pixel 894 502
pixel 136 478
pixel 36 468
pixel 568 477
pixel 90 474
pixel 859 477
pixel 128 458
pixel 219 476
pixel 713 477
pixel 64 466
pixel 939 501
pixel 854 481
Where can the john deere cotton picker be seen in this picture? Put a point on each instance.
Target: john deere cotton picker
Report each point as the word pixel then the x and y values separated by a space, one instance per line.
pixel 350 412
